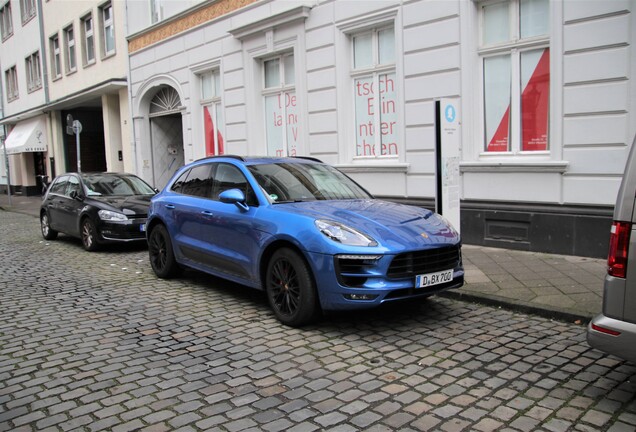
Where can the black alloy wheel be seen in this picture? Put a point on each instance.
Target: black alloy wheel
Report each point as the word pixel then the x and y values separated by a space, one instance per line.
pixel 47 232
pixel 89 235
pixel 160 252
pixel 290 288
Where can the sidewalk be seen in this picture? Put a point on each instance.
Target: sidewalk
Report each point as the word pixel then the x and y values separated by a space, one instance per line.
pixel 563 287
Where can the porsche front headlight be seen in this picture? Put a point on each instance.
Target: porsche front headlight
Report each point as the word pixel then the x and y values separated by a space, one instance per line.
pixel 343 234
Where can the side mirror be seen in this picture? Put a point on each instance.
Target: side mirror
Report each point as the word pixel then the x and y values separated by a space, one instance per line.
pixel 234 196
pixel 76 195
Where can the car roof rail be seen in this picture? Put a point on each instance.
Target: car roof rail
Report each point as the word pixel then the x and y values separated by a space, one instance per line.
pixel 308 158
pixel 241 158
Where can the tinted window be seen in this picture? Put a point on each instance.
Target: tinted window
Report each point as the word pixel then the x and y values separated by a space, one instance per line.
pixel 285 182
pixel 59 186
pixel 198 182
pixel 111 184
pixel 230 177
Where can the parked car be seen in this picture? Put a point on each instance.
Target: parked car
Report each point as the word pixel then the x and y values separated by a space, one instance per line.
pixel 302 231
pixel 98 208
pixel 614 330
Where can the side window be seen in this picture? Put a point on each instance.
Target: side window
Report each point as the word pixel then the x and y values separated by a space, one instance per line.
pixel 73 185
pixel 60 185
pixel 230 177
pixel 177 186
pixel 199 182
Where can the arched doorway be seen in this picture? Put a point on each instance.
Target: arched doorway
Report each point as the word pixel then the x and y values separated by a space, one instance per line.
pixel 166 135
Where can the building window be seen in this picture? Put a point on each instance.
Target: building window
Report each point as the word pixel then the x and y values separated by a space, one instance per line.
pixel 88 54
pixel 375 93
pixel 69 39
pixel 108 27
pixel 11 79
pixel 156 11
pixel 212 114
pixel 27 8
pixel 6 21
pixel 56 57
pixel 33 72
pixel 515 58
pixel 281 108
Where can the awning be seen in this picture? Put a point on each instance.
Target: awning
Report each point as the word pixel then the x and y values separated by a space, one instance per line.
pixel 28 136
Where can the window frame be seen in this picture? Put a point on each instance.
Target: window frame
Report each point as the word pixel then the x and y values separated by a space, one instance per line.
pixel 6 20
pixel 514 47
pixel 70 54
pixel 56 57
pixel 105 25
pixel 282 90
pixel 28 10
pixel 88 39
pixel 214 102
pixel 11 80
pixel 374 71
pixel 33 71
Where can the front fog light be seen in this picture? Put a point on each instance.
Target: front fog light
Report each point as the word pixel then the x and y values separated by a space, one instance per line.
pixel 361 296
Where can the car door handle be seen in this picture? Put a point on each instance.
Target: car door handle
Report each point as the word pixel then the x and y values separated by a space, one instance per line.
pixel 207 213
pixel 169 206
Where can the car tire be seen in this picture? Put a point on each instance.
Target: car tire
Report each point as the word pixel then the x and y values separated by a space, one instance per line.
pixel 47 232
pixel 88 233
pixel 290 288
pixel 161 254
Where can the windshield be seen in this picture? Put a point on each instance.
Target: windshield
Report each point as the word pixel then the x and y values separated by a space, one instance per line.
pixel 293 182
pixel 108 184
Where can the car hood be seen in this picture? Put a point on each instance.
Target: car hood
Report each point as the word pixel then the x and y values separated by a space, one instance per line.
pixel 128 205
pixel 391 224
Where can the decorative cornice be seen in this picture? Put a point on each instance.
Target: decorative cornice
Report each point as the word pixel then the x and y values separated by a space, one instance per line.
pixel 183 22
pixel 299 13
pixel 373 168
pixel 515 167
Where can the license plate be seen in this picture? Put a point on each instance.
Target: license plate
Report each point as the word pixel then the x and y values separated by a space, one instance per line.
pixel 142 227
pixel 430 279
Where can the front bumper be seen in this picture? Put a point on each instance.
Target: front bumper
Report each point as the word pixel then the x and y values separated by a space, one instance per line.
pixel 126 231
pixel 622 345
pixel 375 289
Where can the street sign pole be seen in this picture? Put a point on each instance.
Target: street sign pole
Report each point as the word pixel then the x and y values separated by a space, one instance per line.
pixel 75 127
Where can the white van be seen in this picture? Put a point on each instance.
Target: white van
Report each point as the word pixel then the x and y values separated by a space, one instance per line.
pixel 614 330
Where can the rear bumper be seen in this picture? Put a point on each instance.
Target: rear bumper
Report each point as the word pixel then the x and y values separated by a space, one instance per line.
pixel 622 345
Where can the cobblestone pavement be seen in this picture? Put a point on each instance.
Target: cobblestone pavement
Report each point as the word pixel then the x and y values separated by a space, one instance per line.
pixel 94 341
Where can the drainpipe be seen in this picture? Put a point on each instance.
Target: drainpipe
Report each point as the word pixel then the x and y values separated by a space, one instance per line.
pixel 131 117
pixel 45 85
pixel 45 73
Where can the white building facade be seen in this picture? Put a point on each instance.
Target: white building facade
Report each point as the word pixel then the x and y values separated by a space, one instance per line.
pixel 24 93
pixel 68 59
pixel 544 94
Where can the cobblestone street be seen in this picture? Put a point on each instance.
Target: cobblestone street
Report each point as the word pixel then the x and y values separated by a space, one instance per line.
pixel 94 341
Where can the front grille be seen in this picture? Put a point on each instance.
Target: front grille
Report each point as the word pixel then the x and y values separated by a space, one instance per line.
pixel 424 261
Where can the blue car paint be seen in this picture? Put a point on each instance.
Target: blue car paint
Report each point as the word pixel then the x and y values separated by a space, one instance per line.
pixel 397 228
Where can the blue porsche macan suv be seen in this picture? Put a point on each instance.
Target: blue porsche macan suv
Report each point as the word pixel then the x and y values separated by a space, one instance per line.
pixel 301 230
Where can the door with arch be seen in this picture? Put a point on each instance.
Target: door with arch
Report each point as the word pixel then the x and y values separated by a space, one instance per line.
pixel 166 135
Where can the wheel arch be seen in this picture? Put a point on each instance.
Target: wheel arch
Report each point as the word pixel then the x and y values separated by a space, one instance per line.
pixel 269 252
